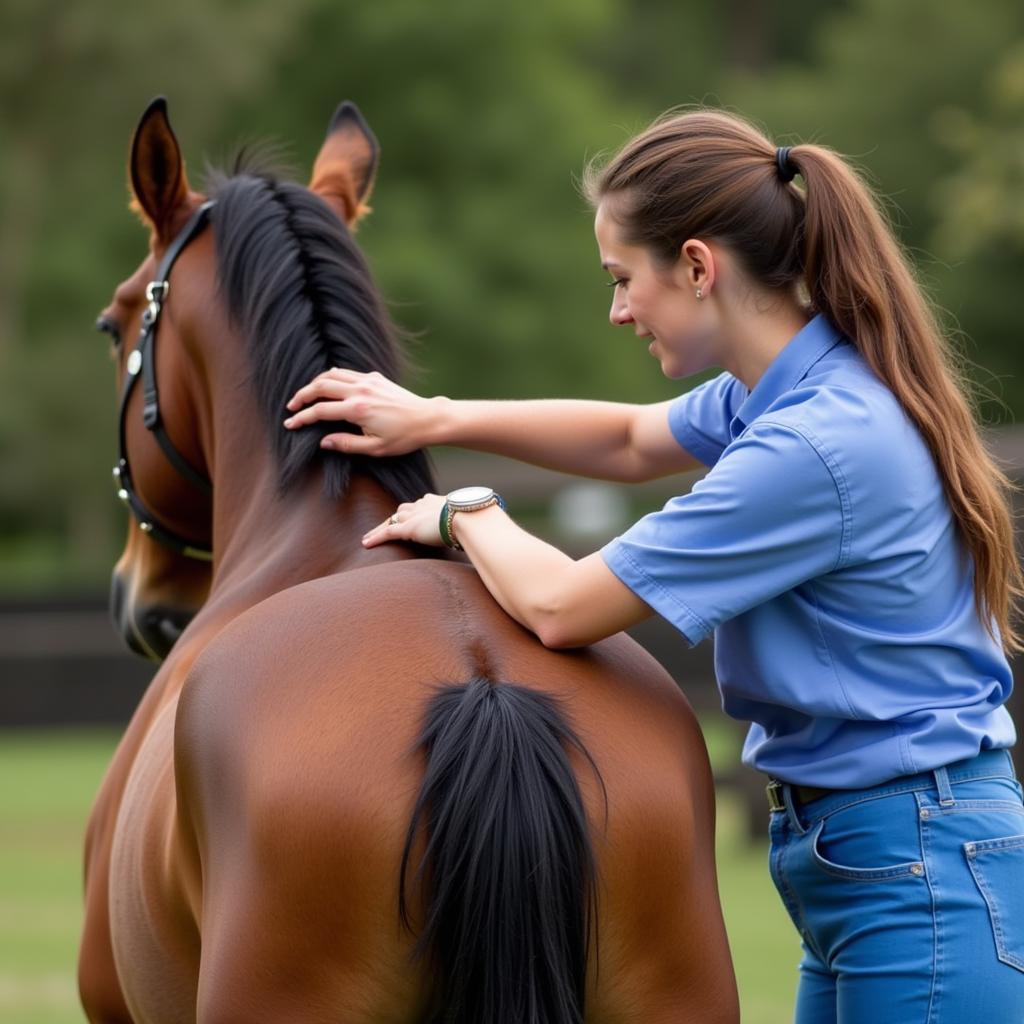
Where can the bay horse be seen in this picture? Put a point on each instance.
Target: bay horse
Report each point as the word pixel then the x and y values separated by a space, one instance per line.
pixel 355 789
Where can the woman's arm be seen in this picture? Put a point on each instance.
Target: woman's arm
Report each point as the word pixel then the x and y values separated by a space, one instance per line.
pixel 565 602
pixel 606 440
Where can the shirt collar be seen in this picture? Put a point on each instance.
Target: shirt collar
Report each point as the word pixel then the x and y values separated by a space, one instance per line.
pixel 816 338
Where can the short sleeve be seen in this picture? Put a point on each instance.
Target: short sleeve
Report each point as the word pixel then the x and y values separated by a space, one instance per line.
pixel 699 420
pixel 769 516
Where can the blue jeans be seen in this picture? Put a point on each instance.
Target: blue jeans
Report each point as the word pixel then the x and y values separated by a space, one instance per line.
pixel 909 897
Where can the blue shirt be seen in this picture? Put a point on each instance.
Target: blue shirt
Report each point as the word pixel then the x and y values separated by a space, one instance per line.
pixel 822 552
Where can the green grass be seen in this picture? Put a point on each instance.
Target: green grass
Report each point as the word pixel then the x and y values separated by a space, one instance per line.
pixel 47 783
pixel 765 945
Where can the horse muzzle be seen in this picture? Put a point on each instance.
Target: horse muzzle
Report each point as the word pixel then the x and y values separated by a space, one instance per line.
pixel 149 629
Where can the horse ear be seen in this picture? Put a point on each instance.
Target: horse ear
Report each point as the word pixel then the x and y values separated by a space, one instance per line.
pixel 157 169
pixel 346 164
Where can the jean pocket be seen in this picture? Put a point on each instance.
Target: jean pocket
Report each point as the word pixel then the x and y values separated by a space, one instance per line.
pixel 907 869
pixel 998 869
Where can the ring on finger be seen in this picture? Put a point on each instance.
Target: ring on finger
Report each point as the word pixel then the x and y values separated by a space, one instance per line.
pixel 393 519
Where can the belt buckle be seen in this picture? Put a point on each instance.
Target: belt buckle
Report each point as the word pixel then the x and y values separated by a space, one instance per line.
pixel 774 793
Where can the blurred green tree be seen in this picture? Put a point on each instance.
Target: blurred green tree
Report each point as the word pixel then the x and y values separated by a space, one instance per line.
pixel 478 235
pixel 978 208
pixel 921 96
pixel 73 81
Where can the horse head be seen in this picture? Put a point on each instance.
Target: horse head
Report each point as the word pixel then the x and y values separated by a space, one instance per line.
pixel 213 321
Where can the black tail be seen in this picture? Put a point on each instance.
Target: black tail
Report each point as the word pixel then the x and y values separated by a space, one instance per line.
pixel 508 872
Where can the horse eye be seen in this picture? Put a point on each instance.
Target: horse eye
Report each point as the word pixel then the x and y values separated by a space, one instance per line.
pixel 107 326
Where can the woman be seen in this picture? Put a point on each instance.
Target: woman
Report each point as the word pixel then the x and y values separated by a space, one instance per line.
pixel 851 548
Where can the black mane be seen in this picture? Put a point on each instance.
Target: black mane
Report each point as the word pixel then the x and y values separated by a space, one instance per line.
pixel 298 288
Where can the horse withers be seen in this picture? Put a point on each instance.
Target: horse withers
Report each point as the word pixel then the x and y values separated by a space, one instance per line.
pixel 355 790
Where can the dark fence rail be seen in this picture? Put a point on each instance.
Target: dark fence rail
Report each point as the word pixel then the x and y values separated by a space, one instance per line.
pixel 62 664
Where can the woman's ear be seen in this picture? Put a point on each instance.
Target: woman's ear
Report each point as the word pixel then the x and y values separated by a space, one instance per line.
pixel 697 263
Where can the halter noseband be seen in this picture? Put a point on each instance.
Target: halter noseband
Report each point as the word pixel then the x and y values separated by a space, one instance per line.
pixel 143 357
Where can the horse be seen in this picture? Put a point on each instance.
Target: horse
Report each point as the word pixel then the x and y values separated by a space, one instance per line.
pixel 355 789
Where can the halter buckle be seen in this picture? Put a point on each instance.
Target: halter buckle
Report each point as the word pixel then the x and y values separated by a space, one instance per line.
pixel 156 291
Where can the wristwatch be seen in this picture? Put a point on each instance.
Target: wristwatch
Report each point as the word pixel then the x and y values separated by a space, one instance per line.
pixel 465 499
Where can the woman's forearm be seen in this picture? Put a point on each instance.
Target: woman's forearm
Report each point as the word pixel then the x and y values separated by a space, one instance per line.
pixel 566 603
pixel 587 438
pixel 521 572
pixel 607 440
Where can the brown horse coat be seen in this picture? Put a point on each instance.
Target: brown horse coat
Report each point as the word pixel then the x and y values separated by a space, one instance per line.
pixel 243 857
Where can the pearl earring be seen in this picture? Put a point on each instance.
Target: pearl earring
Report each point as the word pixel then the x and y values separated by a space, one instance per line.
pixel 700 293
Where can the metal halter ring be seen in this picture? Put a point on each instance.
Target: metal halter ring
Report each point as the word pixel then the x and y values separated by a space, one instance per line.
pixel 163 287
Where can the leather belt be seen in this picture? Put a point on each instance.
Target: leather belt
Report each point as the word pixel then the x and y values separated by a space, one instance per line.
pixel 800 794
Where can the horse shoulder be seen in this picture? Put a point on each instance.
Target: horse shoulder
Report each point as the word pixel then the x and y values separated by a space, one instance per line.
pixel 314 694
pixel 297 772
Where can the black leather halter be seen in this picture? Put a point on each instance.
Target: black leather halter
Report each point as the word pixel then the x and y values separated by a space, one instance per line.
pixel 143 357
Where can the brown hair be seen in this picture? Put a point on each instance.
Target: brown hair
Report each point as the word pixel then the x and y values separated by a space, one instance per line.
pixel 710 174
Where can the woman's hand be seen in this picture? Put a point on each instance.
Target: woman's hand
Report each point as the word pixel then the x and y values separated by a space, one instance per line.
pixel 418 521
pixel 394 421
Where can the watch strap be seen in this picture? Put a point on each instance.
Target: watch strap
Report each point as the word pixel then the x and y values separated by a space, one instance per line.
pixel 447 517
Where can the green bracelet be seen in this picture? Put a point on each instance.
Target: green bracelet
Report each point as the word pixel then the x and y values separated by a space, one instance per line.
pixel 442 526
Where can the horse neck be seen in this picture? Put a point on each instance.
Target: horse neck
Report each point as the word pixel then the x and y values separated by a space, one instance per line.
pixel 265 541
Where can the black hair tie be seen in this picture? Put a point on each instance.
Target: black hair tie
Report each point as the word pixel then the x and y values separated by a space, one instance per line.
pixel 787 169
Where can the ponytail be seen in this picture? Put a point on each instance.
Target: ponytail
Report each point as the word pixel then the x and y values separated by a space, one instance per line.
pixel 711 174
pixel 857 274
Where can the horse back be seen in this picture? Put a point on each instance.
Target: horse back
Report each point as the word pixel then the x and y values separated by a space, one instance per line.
pixel 298 770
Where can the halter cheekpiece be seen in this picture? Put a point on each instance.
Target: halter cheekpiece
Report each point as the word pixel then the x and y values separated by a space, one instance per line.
pixel 142 362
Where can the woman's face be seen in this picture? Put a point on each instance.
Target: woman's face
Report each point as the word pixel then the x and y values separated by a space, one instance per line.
pixel 660 303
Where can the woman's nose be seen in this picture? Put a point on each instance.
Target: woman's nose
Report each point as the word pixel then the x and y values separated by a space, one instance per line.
pixel 619 313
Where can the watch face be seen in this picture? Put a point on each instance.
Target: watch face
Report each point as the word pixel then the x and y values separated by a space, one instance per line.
pixel 469 495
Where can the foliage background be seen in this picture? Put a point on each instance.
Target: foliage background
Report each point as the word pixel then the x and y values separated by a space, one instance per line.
pixel 486 112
